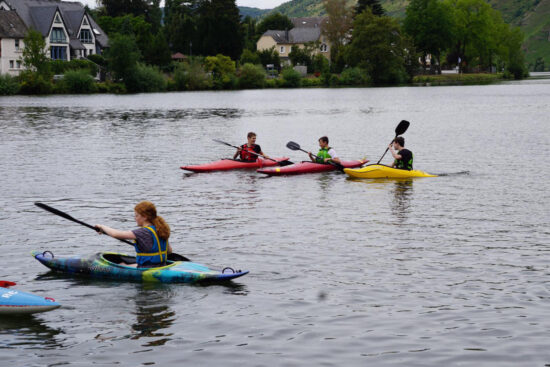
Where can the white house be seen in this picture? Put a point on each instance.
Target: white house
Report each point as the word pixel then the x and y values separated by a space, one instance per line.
pixel 12 32
pixel 69 31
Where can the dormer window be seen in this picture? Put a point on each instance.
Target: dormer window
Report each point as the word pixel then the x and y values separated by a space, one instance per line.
pixel 58 36
pixel 85 21
pixel 57 19
pixel 86 36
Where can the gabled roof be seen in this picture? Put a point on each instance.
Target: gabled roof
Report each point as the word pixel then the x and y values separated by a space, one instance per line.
pixel 309 22
pixel 295 35
pixel 11 25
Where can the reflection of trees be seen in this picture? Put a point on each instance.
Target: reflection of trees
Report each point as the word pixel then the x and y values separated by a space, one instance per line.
pixel 27 331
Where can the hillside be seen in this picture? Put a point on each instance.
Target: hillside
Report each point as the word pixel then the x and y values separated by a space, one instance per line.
pixel 532 16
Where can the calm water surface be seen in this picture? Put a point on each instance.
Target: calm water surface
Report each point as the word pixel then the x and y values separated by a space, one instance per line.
pixel 446 271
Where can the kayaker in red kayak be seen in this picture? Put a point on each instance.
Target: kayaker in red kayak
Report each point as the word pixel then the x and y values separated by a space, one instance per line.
pixel 151 239
pixel 403 157
pixel 245 150
pixel 325 154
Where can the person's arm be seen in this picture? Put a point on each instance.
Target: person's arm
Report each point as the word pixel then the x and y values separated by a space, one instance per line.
pixel 115 233
pixel 169 248
pixel 312 157
pixel 237 153
pixel 334 156
pixel 394 153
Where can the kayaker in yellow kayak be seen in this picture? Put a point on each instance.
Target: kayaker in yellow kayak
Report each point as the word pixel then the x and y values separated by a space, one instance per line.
pixel 325 154
pixel 403 157
pixel 151 239
pixel 246 150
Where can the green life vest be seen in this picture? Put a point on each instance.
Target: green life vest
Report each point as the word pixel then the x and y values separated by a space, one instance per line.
pixel 401 163
pixel 323 154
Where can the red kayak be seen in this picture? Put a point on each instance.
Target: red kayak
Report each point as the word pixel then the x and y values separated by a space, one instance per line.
pixel 228 164
pixel 309 167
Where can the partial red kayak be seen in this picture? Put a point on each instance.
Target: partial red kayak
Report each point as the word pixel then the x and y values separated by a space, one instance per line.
pixel 229 164
pixel 308 167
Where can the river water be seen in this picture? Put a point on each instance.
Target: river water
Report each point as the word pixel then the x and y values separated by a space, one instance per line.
pixel 446 271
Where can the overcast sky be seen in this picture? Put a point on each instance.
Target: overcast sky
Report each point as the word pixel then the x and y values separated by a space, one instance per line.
pixel 262 4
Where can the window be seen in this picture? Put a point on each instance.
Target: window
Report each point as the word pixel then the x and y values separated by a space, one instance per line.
pixel 86 36
pixel 282 50
pixel 57 19
pixel 58 36
pixel 11 64
pixel 324 47
pixel 18 62
pixel 58 53
pixel 16 45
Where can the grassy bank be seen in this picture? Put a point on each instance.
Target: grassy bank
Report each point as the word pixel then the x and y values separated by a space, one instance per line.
pixel 457 79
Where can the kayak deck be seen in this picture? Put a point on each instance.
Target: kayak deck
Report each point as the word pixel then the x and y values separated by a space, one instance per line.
pixel 308 167
pixel 230 164
pixel 14 302
pixel 382 171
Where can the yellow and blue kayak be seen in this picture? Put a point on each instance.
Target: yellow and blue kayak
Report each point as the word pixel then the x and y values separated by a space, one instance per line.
pixel 113 265
pixel 382 171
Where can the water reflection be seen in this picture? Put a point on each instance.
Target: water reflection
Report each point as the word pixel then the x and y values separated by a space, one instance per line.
pixel 402 194
pixel 27 331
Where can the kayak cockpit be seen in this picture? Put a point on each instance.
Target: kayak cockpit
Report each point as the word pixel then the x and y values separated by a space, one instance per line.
pixel 127 260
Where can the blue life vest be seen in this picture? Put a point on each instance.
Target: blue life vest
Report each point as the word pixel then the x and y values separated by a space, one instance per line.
pixel 158 254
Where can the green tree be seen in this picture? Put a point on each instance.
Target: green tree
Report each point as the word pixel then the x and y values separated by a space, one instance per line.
pixel 248 26
pixel 374 6
pixel 180 25
pixel 122 57
pixel 249 57
pixel 149 9
pixel 222 68
pixel 274 21
pixel 430 23
pixel 192 76
pixel 270 57
pixel 252 76
pixel 338 25
pixel 379 48
pixel 34 54
pixel 218 25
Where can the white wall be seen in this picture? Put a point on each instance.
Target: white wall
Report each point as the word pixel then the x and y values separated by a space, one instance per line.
pixel 10 62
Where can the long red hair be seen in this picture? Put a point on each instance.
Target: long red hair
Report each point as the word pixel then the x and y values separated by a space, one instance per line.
pixel 149 211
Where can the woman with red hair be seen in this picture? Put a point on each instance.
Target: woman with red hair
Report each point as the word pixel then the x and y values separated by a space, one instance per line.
pixel 150 240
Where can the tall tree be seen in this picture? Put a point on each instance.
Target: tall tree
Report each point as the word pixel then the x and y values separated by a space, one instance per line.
pixel 150 9
pixel 374 6
pixel 275 21
pixel 180 25
pixel 431 25
pixel 34 53
pixel 218 28
pixel 338 25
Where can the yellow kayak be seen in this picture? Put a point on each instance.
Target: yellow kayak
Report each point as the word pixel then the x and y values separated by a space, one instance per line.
pixel 381 171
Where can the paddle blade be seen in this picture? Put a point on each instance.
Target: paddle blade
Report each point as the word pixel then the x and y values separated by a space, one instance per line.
pixel 402 127
pixel 293 146
pixel 177 257
pixel 6 283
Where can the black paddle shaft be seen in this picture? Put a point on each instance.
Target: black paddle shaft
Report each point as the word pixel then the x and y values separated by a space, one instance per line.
pixel 295 146
pixel 172 256
pixel 399 130
pixel 282 163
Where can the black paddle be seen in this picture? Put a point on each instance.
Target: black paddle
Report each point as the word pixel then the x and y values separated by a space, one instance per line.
pixel 281 163
pixel 295 146
pixel 172 256
pixel 399 130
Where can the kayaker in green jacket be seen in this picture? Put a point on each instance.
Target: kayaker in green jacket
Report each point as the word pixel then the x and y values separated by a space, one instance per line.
pixel 325 153
pixel 151 239
pixel 246 151
pixel 403 157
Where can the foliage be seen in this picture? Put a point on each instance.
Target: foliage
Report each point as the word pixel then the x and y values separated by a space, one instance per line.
pixel 192 76
pixel 223 71
pixel 8 85
pixel 180 25
pixel 274 21
pixel 250 57
pixel 431 25
pixel 148 9
pixel 539 64
pixel 338 25
pixel 252 76
pixel 34 54
pixel 248 26
pixel 378 47
pixel 34 83
pixel 374 6
pixel 301 56
pixel 320 64
pixel 456 79
pixel 270 56
pixel 354 76
pixel 157 51
pixel 61 66
pixel 122 57
pixel 78 82
pixel 110 87
pixel 312 82
pixel 145 79
pixel 218 28
pixel 291 78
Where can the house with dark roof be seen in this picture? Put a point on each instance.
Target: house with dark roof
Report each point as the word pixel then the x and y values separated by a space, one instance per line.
pixel 69 31
pixel 306 30
pixel 12 32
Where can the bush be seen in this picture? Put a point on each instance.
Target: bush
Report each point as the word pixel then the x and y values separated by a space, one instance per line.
pixel 252 76
pixel 78 82
pixel 291 78
pixel 354 76
pixel 145 79
pixel 61 66
pixel 34 83
pixel 312 82
pixel 192 76
pixel 273 83
pixel 249 57
pixel 110 87
pixel 8 85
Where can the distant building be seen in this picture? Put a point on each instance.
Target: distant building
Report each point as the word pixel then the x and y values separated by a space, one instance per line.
pixel 305 30
pixel 69 31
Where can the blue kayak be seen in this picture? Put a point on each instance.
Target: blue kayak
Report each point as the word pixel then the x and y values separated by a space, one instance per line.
pixel 114 265
pixel 14 302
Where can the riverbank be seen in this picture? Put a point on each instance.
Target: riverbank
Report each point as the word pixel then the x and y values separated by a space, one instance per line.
pixel 457 79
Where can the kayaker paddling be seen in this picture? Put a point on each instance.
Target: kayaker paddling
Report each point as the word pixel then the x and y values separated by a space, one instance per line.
pixel 151 239
pixel 325 153
pixel 245 151
pixel 403 157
